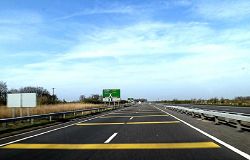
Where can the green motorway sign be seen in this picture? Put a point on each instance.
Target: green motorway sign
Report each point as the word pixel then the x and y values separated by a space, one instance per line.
pixel 111 95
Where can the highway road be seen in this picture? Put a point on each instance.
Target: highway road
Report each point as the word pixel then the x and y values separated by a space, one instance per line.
pixel 245 110
pixel 142 132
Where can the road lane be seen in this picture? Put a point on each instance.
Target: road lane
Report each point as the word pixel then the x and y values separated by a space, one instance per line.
pixel 49 129
pixel 145 139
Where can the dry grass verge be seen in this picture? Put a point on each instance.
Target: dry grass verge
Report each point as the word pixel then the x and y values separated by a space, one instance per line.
pixel 6 112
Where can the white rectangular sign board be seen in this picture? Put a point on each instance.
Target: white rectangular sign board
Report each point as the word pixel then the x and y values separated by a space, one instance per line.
pixel 29 99
pixel 21 100
pixel 14 100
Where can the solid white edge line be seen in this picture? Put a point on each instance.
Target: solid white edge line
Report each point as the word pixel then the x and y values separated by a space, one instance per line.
pixel 131 118
pixel 28 132
pixel 110 138
pixel 34 130
pixel 243 154
pixel 18 140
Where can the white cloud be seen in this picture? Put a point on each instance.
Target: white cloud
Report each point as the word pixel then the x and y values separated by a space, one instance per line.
pixel 224 9
pixel 140 39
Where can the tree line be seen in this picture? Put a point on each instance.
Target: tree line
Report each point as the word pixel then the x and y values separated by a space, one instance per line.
pixel 94 98
pixel 237 101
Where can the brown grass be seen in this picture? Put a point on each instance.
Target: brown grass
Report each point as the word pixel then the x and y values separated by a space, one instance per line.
pixel 6 112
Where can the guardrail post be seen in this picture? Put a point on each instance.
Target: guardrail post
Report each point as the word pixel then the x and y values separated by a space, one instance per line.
pixel 216 121
pixel 193 115
pixel 4 124
pixel 50 118
pixel 202 117
pixel 31 120
pixel 238 125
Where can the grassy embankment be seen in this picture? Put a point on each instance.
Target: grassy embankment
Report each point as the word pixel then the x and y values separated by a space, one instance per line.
pixel 6 112
pixel 15 127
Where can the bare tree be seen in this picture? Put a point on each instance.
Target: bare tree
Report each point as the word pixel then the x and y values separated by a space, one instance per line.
pixel 3 92
pixel 13 90
pixel 82 98
pixel 95 96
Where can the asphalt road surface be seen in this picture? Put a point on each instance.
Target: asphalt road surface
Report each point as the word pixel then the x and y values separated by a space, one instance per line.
pixel 135 133
pixel 245 110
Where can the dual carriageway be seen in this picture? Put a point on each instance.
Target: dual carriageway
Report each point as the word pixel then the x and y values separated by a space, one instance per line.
pixel 139 132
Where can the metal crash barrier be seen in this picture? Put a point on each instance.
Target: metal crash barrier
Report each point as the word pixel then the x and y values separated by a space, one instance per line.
pixel 55 116
pixel 239 120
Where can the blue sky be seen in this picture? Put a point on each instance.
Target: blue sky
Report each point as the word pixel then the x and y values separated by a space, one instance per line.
pixel 153 49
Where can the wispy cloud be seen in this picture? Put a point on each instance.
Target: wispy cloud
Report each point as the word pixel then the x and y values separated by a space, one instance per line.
pixel 140 39
pixel 95 11
pixel 129 45
pixel 224 9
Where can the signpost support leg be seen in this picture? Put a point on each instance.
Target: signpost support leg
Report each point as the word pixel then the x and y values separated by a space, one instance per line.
pixel 21 105
pixel 13 113
pixel 21 111
pixel 28 112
